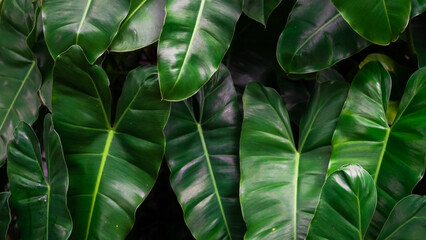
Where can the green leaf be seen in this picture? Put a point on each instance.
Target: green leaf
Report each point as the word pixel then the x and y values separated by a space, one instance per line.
pixel 379 21
pixel 38 198
pixel 112 167
pixel 285 181
pixel 417 26
pixel 205 173
pixel 193 42
pixel 315 38
pixel 407 220
pixel 393 154
pixel 18 70
pixel 4 213
pixel 417 7
pixel 141 27
pixel 88 23
pixel 346 206
pixel 260 10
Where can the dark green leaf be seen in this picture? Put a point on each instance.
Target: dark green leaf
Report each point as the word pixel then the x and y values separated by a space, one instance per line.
pixel 407 220
pixel 205 173
pixel 4 213
pixel 316 37
pixel 18 70
pixel 346 206
pixel 260 10
pixel 88 23
pixel 112 168
pixel 285 181
pixel 418 32
pixel 379 21
pixel 38 198
pixel 390 154
pixel 193 42
pixel 417 7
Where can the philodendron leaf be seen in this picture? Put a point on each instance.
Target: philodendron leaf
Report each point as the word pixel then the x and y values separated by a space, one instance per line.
pixel 346 206
pixel 417 7
pixel 205 173
pixel 141 27
pixel 283 178
pixel 39 201
pixel 260 10
pixel 18 70
pixel 112 167
pixel 92 24
pixel 363 136
pixel 379 21
pixel 193 42
pixel 316 37
pixel 4 213
pixel 407 220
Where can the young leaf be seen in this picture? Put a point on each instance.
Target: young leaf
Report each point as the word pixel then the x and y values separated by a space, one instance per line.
pixel 205 173
pixel 284 179
pixel 112 167
pixel 346 206
pixel 260 10
pixel 316 37
pixel 390 154
pixel 193 42
pixel 379 21
pixel 39 201
pixel 87 23
pixel 407 220
pixel 4 213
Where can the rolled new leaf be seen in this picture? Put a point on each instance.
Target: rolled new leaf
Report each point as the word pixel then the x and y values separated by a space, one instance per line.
pixel 346 206
pixel 87 23
pixel 193 42
pixel 260 10
pixel 38 198
pixel 112 165
pixel 4 213
pixel 407 220
pixel 390 154
pixel 19 75
pixel 283 178
pixel 202 154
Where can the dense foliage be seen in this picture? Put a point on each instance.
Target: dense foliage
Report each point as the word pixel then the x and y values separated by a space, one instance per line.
pixel 212 119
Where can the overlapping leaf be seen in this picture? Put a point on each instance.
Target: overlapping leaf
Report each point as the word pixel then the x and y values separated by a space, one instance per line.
pixel 39 201
pixel 417 26
pixel 193 42
pixel 394 156
pixel 112 167
pixel 202 154
pixel 283 179
pixel 346 206
pixel 260 10
pixel 417 7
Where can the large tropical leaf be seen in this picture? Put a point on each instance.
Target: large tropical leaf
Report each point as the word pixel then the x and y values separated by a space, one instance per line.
pixel 92 24
pixel 346 206
pixel 194 39
pixel 141 27
pixel 39 201
pixel 379 21
pixel 18 70
pixel 417 7
pixel 280 182
pixel 407 220
pixel 316 37
pixel 205 173
pixel 260 10
pixel 4 213
pixel 393 155
pixel 112 167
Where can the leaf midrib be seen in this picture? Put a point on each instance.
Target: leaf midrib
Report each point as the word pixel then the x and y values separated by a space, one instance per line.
pixel 133 13
pixel 86 10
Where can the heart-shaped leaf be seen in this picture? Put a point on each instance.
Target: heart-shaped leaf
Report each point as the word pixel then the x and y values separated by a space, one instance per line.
pixel 260 10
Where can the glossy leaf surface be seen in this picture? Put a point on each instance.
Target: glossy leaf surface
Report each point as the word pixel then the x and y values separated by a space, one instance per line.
pixel 202 154
pixel 193 42
pixel 316 37
pixel 283 178
pixel 38 201
pixel 18 70
pixel 112 168
pixel 92 24
pixel 393 154
pixel 407 220
pixel 346 206
pixel 4 213
pixel 260 10
pixel 379 21
pixel 417 7
pixel 141 27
